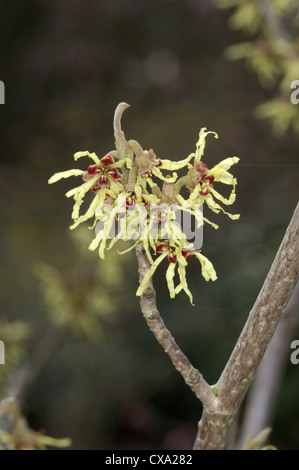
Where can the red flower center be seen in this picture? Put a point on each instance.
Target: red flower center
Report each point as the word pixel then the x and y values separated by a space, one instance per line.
pixel 205 181
pixel 172 258
pixel 104 172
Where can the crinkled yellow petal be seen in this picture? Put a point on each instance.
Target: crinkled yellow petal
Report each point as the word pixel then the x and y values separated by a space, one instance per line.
pixel 97 201
pixel 160 175
pixel 73 191
pixel 151 198
pixel 114 187
pixel 217 208
pixel 196 197
pixel 138 192
pixel 64 174
pixel 128 249
pixel 197 214
pixel 182 263
pixel 82 190
pixel 228 201
pixel 207 269
pixel 150 273
pixel 176 234
pixel 146 246
pixel 183 202
pixel 173 166
pixel 201 143
pixel 102 248
pixel 129 162
pixel 50 441
pixel 150 182
pixel 94 244
pixel 220 172
pixel 92 155
pixel 215 226
pixel 170 272
pixel 120 163
pixel 142 181
pixel 103 235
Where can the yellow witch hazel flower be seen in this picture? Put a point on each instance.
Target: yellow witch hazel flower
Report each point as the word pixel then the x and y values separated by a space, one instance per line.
pixel 200 180
pixel 102 178
pixel 130 204
pixel 177 255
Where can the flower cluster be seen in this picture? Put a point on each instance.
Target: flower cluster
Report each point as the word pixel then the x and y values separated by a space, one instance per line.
pixel 140 193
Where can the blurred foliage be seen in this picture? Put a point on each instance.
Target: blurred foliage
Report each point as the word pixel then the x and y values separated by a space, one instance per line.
pixel 66 65
pixel 14 336
pixel 16 435
pixel 273 53
pixel 258 442
pixel 79 299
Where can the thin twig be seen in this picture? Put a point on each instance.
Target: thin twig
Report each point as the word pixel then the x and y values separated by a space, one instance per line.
pixel 273 22
pixel 191 375
pixel 24 376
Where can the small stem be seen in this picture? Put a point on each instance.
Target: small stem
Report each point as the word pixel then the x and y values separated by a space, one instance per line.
pixel 192 376
pixel 136 147
pixel 120 140
pixel 168 196
pixel 157 192
pixel 132 179
pixel 181 182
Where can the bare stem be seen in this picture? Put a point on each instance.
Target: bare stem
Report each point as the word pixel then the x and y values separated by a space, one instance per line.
pixel 181 182
pixel 253 341
pixel 192 376
pixel 130 186
pixel 263 396
pixel 136 147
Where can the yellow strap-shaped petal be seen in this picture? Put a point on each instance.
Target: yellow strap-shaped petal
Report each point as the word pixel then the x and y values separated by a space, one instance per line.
pixel 174 166
pixel 207 269
pixel 79 195
pixel 217 208
pixel 64 174
pixel 150 273
pixel 97 201
pixel 170 272
pixel 228 201
pixel 85 153
pixel 220 172
pixel 159 175
pixel 201 143
pixel 182 263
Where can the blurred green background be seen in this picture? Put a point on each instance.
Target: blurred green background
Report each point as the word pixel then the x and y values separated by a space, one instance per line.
pixel 103 380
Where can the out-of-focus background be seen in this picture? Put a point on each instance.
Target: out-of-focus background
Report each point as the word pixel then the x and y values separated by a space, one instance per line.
pixel 98 375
